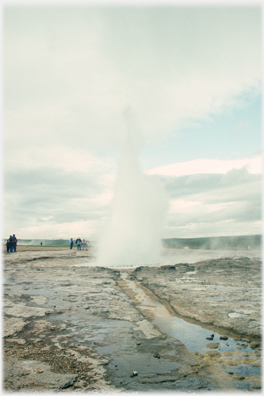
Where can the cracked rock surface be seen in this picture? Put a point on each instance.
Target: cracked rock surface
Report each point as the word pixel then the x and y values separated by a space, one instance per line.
pixel 87 328
pixel 224 293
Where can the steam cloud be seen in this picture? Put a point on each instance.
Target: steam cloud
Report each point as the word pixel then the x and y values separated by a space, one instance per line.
pixel 132 235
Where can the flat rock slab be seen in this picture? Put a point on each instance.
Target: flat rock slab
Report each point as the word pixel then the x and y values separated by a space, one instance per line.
pixel 224 292
pixel 36 375
pixel 13 325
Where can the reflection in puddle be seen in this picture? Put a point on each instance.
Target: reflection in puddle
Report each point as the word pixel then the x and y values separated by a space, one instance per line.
pixel 194 337
pixel 235 315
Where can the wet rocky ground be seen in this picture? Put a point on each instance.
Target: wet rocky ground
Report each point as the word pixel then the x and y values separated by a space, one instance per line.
pixel 72 326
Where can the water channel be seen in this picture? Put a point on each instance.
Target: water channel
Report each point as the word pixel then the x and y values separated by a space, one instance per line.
pixel 236 357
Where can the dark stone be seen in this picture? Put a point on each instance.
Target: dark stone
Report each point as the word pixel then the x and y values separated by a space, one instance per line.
pixel 138 269
pixel 223 338
pixel 254 344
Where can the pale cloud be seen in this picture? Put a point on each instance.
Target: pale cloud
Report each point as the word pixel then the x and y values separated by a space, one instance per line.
pixel 220 228
pixel 69 73
pixel 103 199
pixel 225 202
pixel 60 156
pixel 53 201
pixel 83 229
pixel 191 207
pixel 254 165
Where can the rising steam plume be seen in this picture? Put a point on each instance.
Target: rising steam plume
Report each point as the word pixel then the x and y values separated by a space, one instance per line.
pixel 132 234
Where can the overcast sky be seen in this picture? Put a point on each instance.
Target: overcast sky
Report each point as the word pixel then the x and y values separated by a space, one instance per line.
pixel 192 77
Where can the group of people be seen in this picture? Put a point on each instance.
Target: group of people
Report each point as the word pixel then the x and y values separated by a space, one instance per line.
pixel 11 244
pixel 81 244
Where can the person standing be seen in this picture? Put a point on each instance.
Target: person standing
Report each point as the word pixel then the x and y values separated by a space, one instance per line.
pixel 84 244
pixel 78 241
pixel 71 243
pixel 14 242
pixel 11 243
pixel 7 246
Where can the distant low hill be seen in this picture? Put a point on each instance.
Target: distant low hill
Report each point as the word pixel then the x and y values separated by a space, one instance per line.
pixel 215 243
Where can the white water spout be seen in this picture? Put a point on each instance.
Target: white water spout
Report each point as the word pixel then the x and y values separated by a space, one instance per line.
pixel 132 235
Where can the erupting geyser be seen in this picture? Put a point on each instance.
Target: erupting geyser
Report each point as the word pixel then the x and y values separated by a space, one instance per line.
pixel 132 235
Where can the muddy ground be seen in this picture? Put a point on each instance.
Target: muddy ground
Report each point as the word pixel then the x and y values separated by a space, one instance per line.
pixel 72 326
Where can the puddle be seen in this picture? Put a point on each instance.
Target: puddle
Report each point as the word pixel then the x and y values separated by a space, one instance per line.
pixel 86 264
pixel 236 315
pixel 8 281
pixel 194 337
pixel 145 364
pixel 214 298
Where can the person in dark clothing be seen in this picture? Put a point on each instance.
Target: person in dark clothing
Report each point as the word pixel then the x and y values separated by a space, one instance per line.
pixel 11 243
pixel 14 242
pixel 78 241
pixel 7 245
pixel 71 243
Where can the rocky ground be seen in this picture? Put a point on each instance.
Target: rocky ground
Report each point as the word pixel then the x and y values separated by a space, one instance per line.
pixel 72 326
